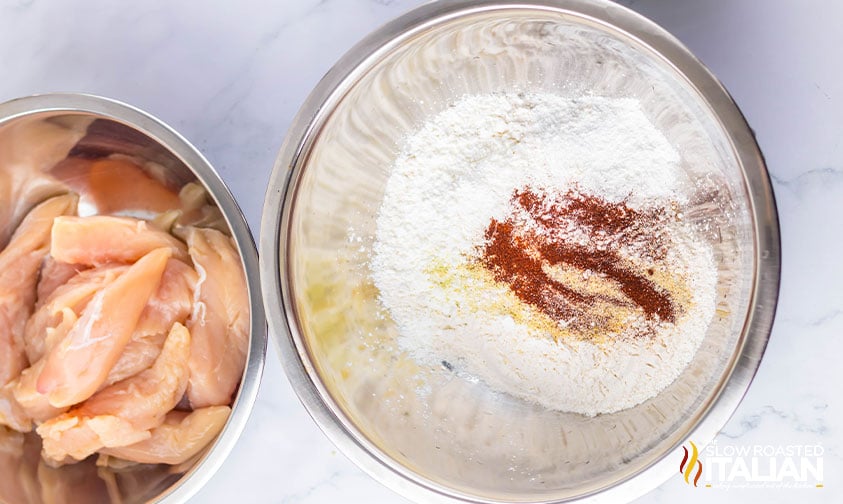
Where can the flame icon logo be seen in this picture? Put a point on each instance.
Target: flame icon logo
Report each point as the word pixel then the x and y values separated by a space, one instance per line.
pixel 686 467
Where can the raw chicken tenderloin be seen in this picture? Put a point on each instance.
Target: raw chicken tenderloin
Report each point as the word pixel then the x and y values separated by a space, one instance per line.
pixel 101 239
pixel 181 436
pixel 53 275
pixel 124 413
pixel 75 295
pixel 19 265
pixel 31 404
pixel 138 355
pixel 219 323
pixel 47 326
pixel 79 364
pixel 11 413
pixel 171 303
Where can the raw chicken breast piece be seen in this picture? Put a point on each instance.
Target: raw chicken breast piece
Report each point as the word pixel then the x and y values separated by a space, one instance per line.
pixel 101 239
pixel 219 323
pixel 19 265
pixel 171 303
pixel 80 363
pixel 181 436
pixel 11 413
pixel 35 405
pixel 53 275
pixel 74 295
pixel 124 413
pixel 138 355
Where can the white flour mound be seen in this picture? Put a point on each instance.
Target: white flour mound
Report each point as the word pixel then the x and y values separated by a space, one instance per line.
pixel 458 172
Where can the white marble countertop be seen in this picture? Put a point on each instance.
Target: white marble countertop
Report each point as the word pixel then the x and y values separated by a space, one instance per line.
pixel 231 75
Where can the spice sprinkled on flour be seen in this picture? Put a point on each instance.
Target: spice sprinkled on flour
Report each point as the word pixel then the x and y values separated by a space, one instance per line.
pixel 536 242
pixel 545 231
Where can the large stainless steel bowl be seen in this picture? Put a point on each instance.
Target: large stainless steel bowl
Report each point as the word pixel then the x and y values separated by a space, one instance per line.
pixel 109 127
pixel 423 432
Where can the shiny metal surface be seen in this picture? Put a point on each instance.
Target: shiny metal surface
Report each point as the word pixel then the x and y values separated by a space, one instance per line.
pixel 113 127
pixel 289 212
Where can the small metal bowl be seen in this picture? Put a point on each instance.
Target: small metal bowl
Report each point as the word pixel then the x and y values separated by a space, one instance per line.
pixel 111 127
pixel 319 219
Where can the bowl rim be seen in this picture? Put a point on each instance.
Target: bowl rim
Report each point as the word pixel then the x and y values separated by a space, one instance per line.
pixel 289 166
pixel 87 104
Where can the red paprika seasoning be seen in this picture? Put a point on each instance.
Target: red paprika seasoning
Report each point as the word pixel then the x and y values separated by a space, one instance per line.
pixel 537 235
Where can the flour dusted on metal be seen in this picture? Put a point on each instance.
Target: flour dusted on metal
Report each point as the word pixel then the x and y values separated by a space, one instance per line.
pixel 537 243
